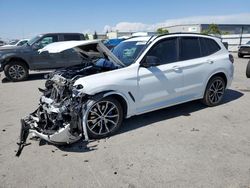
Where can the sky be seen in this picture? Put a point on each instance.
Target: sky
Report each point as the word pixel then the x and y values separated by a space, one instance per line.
pixel 27 18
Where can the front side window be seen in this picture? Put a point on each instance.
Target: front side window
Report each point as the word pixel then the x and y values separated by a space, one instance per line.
pixel 189 48
pixel 46 40
pixel 165 51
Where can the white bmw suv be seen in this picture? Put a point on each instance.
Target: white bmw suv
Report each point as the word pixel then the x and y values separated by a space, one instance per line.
pixel 139 75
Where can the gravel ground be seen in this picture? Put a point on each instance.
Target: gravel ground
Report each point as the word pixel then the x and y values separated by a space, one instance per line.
pixel 188 145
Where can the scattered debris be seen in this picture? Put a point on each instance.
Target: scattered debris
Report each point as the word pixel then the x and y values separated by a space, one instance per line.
pixel 64 155
pixel 86 160
pixel 226 117
pixel 53 151
pixel 129 165
pixel 245 90
pixel 157 134
pixel 36 138
pixel 131 186
pixel 43 142
pixel 115 173
pixel 3 130
pixel 195 129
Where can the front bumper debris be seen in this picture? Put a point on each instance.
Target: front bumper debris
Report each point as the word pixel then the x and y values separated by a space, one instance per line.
pixel 57 124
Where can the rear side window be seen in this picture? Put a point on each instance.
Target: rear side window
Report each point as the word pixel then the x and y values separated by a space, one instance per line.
pixel 208 46
pixel 165 51
pixel 71 37
pixel 189 48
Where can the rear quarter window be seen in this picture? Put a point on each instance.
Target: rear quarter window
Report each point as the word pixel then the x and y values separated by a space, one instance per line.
pixel 208 46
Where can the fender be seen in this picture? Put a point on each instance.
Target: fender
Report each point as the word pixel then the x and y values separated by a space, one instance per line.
pixel 211 75
pixel 6 58
pixel 98 96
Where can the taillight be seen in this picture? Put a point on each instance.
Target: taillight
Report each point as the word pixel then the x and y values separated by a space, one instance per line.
pixel 231 58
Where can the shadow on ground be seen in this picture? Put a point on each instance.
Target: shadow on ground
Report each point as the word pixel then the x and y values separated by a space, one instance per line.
pixel 32 77
pixel 185 109
pixel 139 121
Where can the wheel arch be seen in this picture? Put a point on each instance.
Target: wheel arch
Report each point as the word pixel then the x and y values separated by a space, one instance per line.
pixel 10 59
pixel 118 96
pixel 219 73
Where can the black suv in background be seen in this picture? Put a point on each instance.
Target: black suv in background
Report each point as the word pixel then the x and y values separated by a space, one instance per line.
pixel 16 61
pixel 244 50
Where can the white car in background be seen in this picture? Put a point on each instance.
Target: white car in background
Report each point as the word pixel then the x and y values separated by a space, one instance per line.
pixel 16 43
pixel 140 75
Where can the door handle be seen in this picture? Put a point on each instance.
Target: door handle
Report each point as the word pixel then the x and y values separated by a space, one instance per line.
pixel 210 61
pixel 176 68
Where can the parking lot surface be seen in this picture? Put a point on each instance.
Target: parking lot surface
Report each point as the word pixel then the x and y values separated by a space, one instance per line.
pixel 189 145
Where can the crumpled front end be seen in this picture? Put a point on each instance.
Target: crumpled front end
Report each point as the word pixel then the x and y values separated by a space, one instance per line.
pixel 59 116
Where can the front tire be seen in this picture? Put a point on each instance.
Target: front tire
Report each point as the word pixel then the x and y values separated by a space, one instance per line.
pixel 104 118
pixel 16 71
pixel 240 55
pixel 214 91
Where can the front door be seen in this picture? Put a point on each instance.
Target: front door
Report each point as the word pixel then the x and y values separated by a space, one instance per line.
pixel 45 60
pixel 161 85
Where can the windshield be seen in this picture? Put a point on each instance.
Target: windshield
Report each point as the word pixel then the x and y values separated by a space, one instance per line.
pixel 248 42
pixel 127 52
pixel 33 40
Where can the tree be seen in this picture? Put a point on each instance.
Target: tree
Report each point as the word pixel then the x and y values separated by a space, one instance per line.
pixel 95 35
pixel 161 31
pixel 86 36
pixel 212 29
pixel 225 33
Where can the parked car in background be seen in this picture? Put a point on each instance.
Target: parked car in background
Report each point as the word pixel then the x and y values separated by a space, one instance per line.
pixel 2 43
pixel 140 75
pixel 244 50
pixel 16 61
pixel 111 43
pixel 16 43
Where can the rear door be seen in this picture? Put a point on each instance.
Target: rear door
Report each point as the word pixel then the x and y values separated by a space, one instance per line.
pixel 196 63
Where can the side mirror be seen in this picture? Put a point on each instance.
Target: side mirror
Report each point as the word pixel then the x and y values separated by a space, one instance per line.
pixel 36 46
pixel 150 61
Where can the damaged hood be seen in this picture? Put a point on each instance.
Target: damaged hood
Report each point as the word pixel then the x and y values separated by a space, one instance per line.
pixel 90 49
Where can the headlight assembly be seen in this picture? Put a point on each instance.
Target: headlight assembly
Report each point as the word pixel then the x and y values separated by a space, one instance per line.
pixel 77 91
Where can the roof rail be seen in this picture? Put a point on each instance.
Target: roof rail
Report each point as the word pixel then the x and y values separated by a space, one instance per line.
pixel 201 34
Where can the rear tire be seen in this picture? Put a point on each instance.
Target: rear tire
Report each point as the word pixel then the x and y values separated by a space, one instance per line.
pixel 16 71
pixel 248 70
pixel 104 117
pixel 214 91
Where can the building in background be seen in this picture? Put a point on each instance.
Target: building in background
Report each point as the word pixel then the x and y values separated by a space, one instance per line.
pixel 233 34
pixel 199 28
